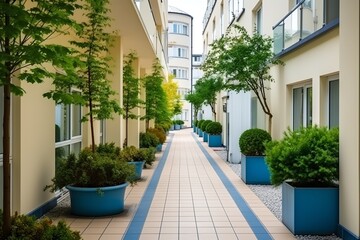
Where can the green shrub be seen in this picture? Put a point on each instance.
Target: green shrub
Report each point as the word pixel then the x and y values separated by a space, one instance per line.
pixel 108 149
pixel 148 154
pixel 91 170
pixel 148 139
pixel 308 157
pixel 160 134
pixel 252 142
pixel 165 126
pixel 214 128
pixel 28 228
pixel 205 124
pixel 200 123
pixel 196 123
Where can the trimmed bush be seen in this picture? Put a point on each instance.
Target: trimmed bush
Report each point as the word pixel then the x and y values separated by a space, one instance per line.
pixel 160 134
pixel 148 139
pixel 148 154
pixel 205 124
pixel 214 128
pixel 200 123
pixel 196 123
pixel 27 227
pixel 308 157
pixel 252 142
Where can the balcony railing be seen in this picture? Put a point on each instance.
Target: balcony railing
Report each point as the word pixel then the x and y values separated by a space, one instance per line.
pixel 306 18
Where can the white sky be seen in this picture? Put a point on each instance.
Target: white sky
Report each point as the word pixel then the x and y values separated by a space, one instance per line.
pixel 195 8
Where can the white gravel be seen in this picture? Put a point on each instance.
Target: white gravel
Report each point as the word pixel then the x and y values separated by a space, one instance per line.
pixel 271 197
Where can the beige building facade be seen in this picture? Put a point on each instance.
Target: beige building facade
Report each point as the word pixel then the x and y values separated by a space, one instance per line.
pixel 318 40
pixel 42 131
pixel 180 49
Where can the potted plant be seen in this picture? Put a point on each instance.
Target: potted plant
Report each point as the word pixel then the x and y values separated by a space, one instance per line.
pixel 306 163
pixel 148 154
pixel 200 132
pixel 133 156
pixel 96 180
pixel 214 129
pixel 160 134
pixel 177 125
pixel 203 129
pixel 195 126
pixel 254 169
pixel 148 139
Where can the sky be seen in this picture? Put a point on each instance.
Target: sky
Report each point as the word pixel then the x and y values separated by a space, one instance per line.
pixel 195 8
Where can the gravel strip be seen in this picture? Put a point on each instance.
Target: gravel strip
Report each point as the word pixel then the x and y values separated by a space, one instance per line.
pixel 271 197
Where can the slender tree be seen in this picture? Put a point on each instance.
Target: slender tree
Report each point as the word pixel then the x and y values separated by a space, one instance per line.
pixel 197 101
pixel 93 70
pixel 207 89
pixel 152 84
pixel 131 92
pixel 25 29
pixel 244 61
pixel 173 98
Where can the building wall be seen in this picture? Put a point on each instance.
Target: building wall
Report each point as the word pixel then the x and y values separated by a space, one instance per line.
pixel 184 62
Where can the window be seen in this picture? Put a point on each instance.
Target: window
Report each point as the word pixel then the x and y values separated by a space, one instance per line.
pixel 185 115
pixel 178 51
pixel 179 28
pixel 302 107
pixel 214 30
pixel 180 73
pixel 231 10
pixel 258 24
pixel 334 103
pixel 183 92
pixel 222 19
pixel 331 10
pixel 254 112
pixel 1 119
pixel 238 6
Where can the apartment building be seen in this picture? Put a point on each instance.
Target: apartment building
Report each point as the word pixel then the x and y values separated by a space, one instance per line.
pixel 318 40
pixel 41 130
pixel 180 49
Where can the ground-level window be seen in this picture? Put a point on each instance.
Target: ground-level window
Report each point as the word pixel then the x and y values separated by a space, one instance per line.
pixel 302 107
pixel 333 103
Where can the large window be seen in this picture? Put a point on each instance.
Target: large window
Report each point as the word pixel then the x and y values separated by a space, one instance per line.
pixel 183 92
pixel 181 73
pixel 334 103
pixel 1 119
pixel 254 110
pixel 178 51
pixel 179 28
pixel 258 24
pixel 302 107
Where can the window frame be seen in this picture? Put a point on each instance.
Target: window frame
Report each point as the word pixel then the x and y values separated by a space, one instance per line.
pixel 328 98
pixel 180 27
pixel 306 119
pixel 181 51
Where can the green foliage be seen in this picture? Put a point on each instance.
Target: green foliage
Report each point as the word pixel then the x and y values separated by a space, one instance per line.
pixel 154 93
pixel 178 122
pixel 131 154
pixel 196 123
pixel 252 142
pixel 244 61
pixel 160 134
pixel 214 128
pixel 91 169
pixel 28 228
pixel 200 123
pixel 148 139
pixel 309 156
pixel 205 124
pixel 108 149
pixel 174 104
pixel 196 100
pixel 148 154
pixel 165 126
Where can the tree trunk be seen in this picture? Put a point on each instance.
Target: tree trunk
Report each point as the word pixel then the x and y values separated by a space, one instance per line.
pixel 270 123
pixel 126 130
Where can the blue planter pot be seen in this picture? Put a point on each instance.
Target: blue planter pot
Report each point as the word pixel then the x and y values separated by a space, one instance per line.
pixel 172 128
pixel 214 140
pixel 205 137
pixel 194 129
pixel 138 168
pixel 97 201
pixel 310 210
pixel 200 132
pixel 254 170
pixel 159 147
pixel 177 127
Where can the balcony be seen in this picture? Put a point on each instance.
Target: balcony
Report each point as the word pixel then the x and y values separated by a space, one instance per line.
pixel 307 20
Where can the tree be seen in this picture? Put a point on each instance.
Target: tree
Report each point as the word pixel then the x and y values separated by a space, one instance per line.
pixel 25 29
pixel 197 101
pixel 173 98
pixel 207 89
pixel 152 84
pixel 244 61
pixel 131 91
pixel 93 69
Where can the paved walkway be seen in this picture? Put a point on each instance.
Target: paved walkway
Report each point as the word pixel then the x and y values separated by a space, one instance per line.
pixel 189 194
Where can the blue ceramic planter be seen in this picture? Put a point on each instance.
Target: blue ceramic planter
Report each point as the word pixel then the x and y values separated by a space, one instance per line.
pixel 200 132
pixel 177 127
pixel 97 201
pixel 205 137
pixel 194 129
pixel 159 147
pixel 138 168
pixel 254 170
pixel 310 210
pixel 214 140
pixel 172 127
